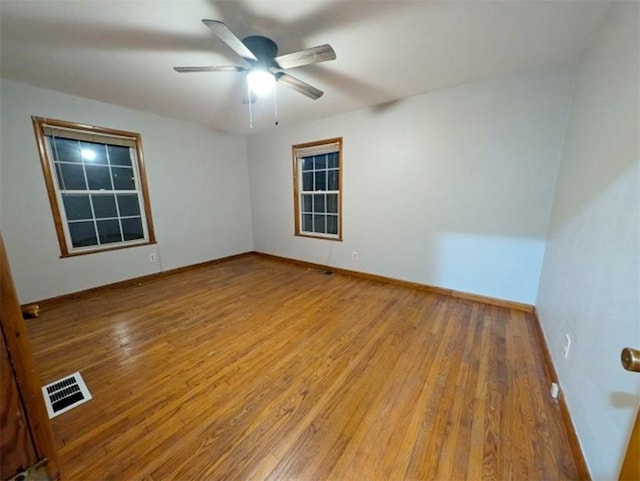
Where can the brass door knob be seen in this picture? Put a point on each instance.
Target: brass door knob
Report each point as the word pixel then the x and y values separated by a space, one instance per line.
pixel 630 359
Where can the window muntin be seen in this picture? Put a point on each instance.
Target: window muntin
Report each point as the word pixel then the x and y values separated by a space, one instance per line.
pixel 97 186
pixel 317 188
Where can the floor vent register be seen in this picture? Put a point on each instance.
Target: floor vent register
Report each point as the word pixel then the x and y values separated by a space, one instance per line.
pixel 65 394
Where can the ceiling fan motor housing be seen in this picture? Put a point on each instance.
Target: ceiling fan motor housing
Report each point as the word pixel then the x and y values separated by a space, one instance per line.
pixel 263 48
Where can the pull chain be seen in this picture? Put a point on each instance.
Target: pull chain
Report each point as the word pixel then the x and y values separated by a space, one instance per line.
pixel 275 102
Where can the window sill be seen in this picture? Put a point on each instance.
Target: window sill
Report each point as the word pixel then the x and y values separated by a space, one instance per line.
pixel 321 237
pixel 107 249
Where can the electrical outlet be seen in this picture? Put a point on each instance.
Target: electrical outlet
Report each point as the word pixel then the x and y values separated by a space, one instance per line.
pixel 354 255
pixel 567 346
pixel 152 257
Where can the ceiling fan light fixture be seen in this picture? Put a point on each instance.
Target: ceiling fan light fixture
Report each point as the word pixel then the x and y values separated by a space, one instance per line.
pixel 260 81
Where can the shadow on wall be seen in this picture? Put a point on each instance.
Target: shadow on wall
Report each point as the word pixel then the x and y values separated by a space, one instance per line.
pixel 594 178
pixel 485 264
pixel 624 400
pixel 589 288
pixel 492 266
pixel 602 144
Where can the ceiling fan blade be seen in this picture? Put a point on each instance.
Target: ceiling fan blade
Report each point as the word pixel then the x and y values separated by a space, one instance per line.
pixel 230 38
pixel 299 86
pixel 321 53
pixel 223 68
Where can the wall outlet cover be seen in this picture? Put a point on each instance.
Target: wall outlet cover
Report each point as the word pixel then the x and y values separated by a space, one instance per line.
pixel 555 390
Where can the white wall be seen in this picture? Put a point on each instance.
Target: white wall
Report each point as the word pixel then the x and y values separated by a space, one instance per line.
pixel 590 284
pixel 452 188
pixel 198 184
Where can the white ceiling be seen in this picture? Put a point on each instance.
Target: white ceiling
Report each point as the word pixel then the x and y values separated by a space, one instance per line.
pixel 123 51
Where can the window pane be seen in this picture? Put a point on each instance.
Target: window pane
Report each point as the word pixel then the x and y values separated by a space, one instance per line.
pixel 123 178
pixel 109 231
pixel 319 223
pixel 333 180
pixel 65 150
pixel 332 224
pixel 307 223
pixel 77 207
pixel 98 177
pixel 307 203
pixel 307 181
pixel 72 177
pixel 307 163
pixel 128 205
pixel 332 203
pixel 321 161
pixel 333 160
pixel 318 203
pixel 132 229
pixel 321 180
pixel 58 169
pixel 93 153
pixel 104 206
pixel 119 155
pixel 82 234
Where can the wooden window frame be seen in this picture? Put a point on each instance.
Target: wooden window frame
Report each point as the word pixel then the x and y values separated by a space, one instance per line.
pixel 39 124
pixel 296 188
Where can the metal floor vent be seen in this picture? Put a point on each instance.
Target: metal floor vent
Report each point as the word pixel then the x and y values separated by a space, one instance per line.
pixel 65 394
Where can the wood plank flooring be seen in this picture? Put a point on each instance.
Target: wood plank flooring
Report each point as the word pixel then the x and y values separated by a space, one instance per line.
pixel 257 369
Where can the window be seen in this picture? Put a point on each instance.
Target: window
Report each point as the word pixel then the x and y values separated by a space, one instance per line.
pixel 317 168
pixel 96 185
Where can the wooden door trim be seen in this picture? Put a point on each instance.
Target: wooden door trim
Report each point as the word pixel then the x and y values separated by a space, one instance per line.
pixel 630 469
pixel 17 449
pixel 15 333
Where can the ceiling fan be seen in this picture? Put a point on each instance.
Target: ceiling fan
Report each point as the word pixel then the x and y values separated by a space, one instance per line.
pixel 265 65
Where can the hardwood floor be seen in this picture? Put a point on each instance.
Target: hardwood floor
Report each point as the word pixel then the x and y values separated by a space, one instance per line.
pixel 257 369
